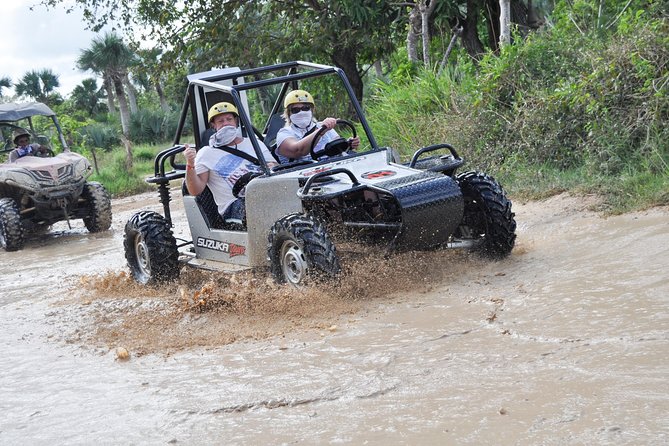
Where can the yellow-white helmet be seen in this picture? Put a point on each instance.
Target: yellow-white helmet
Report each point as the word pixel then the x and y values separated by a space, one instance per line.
pixel 298 97
pixel 222 107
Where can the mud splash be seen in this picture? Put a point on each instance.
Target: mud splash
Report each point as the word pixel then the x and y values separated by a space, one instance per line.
pixel 209 309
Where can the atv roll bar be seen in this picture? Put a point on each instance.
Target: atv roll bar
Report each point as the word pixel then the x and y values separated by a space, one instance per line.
pixel 285 79
pixel 162 178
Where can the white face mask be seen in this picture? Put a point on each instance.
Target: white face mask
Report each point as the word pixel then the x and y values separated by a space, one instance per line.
pixel 302 119
pixel 225 136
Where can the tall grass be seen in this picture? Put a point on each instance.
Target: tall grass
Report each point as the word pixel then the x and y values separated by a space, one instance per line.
pixel 115 176
pixel 561 110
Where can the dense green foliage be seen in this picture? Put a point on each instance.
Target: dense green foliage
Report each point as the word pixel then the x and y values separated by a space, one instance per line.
pixel 562 109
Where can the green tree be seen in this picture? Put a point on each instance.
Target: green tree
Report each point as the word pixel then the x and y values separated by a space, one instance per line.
pixel 150 73
pixel 351 34
pixel 88 96
pixel 5 82
pixel 39 85
pixel 109 55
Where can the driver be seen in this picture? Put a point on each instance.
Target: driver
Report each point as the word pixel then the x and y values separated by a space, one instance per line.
pixel 24 147
pixel 293 141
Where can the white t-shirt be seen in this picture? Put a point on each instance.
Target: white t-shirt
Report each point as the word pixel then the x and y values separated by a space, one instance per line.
pixel 225 169
pixel 295 132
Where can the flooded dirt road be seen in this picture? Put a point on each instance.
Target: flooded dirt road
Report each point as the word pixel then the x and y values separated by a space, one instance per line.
pixel 566 342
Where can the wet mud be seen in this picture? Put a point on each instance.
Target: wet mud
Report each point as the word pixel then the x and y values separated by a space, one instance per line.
pixel 564 342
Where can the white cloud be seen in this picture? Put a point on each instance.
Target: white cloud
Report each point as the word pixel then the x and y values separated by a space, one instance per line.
pixel 41 38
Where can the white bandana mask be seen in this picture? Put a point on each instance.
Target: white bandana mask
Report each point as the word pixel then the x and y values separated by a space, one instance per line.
pixel 225 135
pixel 302 119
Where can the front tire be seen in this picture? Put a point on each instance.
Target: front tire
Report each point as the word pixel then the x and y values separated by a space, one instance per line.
pixel 99 216
pixel 150 248
pixel 300 248
pixel 11 230
pixel 487 219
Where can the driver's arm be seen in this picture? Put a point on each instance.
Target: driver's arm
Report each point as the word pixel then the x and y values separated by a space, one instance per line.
pixel 294 148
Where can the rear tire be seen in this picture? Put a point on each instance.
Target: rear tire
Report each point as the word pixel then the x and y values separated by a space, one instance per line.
pixel 99 216
pixel 300 248
pixel 11 229
pixel 487 216
pixel 151 249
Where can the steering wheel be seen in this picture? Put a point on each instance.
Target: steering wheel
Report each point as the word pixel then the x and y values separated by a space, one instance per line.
pixel 334 147
pixel 49 153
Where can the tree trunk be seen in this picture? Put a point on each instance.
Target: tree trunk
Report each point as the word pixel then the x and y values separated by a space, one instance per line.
pixel 161 96
pixel 128 151
pixel 504 22
pixel 107 84
pixel 132 93
pixel 426 11
pixel 470 39
pixel 533 19
pixel 457 31
pixel 412 34
pixel 122 105
pixel 345 59
pixel 491 13
pixel 378 69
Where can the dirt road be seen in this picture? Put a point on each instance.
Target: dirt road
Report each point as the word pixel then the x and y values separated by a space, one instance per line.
pixel 565 342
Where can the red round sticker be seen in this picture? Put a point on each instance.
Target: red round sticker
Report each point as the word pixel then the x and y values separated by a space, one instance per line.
pixel 378 174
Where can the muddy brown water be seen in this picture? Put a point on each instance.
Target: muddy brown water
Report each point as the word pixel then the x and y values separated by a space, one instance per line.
pixel 565 342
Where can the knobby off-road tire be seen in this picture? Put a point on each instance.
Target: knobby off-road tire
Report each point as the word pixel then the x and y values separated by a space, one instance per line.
pixel 487 216
pixel 99 216
pixel 11 229
pixel 299 249
pixel 151 249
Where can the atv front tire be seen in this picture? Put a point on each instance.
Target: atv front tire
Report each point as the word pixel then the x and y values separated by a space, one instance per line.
pixel 99 216
pixel 487 220
pixel 150 248
pixel 11 229
pixel 300 248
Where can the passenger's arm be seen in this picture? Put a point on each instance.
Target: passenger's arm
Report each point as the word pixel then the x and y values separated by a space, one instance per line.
pixel 194 182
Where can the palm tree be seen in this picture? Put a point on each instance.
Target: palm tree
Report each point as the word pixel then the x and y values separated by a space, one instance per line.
pixel 87 96
pixel 110 56
pixel 39 85
pixel 148 70
pixel 5 82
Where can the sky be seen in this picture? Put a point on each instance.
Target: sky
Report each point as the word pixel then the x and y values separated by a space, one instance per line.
pixel 39 39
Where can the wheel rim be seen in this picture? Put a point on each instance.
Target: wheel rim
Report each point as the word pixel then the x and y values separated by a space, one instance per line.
pixel 293 262
pixel 142 256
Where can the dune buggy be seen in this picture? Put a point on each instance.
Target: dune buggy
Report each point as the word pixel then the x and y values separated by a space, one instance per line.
pixel 296 212
pixel 36 192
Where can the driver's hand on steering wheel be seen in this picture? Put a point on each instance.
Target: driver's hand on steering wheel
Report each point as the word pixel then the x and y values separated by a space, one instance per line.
pixel 354 142
pixel 329 123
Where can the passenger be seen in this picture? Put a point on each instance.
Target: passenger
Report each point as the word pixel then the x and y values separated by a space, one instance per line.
pixel 228 157
pixel 24 147
pixel 293 142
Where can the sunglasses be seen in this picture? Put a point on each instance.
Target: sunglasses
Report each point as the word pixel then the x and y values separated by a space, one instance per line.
pixel 294 110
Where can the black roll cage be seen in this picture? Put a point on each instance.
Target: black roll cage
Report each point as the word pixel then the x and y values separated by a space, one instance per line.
pixel 289 80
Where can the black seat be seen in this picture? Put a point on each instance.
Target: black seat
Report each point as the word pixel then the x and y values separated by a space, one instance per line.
pixel 275 124
pixel 209 210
